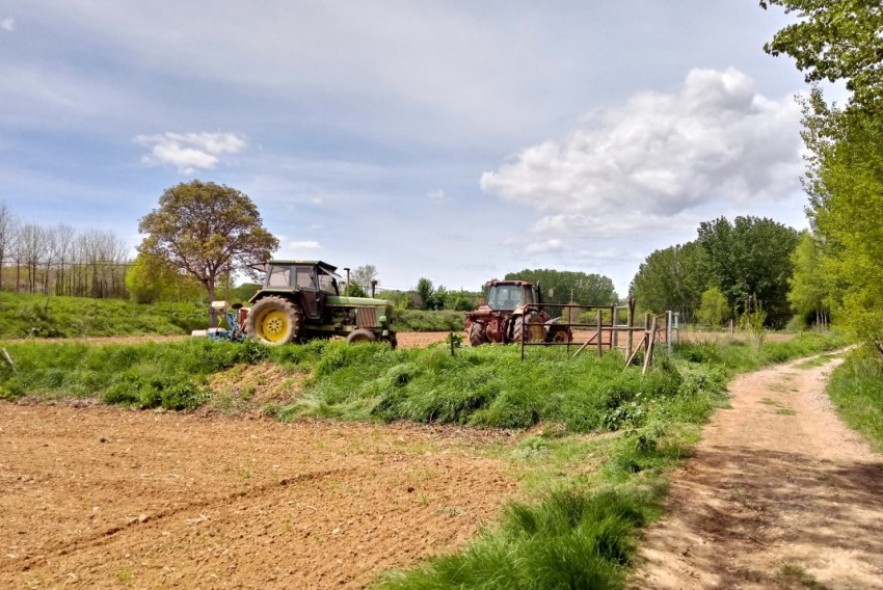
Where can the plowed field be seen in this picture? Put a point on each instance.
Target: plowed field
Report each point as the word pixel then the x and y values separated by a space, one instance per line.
pixel 98 497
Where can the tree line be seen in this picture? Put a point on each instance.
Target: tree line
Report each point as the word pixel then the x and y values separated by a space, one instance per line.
pixel 59 260
pixel 839 266
pixel 730 270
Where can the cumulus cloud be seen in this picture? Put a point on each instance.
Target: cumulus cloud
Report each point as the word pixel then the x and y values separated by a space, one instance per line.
pixel 715 140
pixel 305 245
pixel 7 24
pixel 189 151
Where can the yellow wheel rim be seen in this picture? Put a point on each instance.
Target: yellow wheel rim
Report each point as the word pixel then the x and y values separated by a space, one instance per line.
pixel 273 325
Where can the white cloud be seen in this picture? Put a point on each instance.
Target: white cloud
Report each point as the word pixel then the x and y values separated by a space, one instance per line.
pixel 714 141
pixel 544 247
pixel 436 195
pixel 189 151
pixel 7 24
pixel 305 245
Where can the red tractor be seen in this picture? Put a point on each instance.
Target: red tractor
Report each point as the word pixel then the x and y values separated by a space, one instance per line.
pixel 510 311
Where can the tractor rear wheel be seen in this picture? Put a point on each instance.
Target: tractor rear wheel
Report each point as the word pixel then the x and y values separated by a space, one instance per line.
pixel 532 325
pixel 560 335
pixel 476 334
pixel 274 321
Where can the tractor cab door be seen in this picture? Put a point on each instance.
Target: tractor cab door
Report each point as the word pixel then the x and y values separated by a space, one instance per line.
pixel 312 298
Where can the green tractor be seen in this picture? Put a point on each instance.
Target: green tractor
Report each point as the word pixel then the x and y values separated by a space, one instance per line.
pixel 300 300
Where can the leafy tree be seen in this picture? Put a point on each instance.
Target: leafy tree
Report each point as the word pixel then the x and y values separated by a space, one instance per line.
pixel 363 276
pixel 354 289
pixel 561 286
pixel 206 229
pixel 846 204
pixel 672 279
pixel 842 41
pixel 751 259
pixel 7 235
pixel 810 289
pixel 714 309
pixel 243 292
pixel 151 279
pixel 424 293
pixel 835 41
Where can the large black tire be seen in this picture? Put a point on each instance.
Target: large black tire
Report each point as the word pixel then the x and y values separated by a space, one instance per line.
pixel 560 335
pixel 361 336
pixel 274 321
pixel 534 326
pixel 476 334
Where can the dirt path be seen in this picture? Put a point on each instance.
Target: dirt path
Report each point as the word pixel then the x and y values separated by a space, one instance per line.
pixel 779 494
pixel 99 497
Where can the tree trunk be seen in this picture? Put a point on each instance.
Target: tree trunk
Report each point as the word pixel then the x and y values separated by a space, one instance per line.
pixel 212 312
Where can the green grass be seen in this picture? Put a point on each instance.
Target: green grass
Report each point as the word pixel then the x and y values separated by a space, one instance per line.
pixel 856 388
pixel 570 540
pixel 740 356
pixel 172 376
pixel 800 576
pixel 25 315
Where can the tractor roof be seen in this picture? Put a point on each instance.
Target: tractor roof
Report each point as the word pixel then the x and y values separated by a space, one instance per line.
pixel 516 282
pixel 319 263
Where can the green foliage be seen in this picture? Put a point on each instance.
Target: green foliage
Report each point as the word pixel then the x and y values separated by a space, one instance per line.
pixel 149 280
pixel 24 315
pixel 714 309
pixel 810 289
pixel 736 355
pixel 241 293
pixel 672 279
pixel 856 388
pixel 751 258
pixel 412 320
pixel 559 285
pixel 846 190
pixel 835 41
pixel 425 291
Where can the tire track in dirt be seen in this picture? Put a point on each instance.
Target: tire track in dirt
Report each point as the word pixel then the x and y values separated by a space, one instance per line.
pixel 778 494
pixel 103 537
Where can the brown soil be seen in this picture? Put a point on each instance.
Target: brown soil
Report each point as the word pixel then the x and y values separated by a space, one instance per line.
pixel 779 494
pixel 405 339
pixel 97 497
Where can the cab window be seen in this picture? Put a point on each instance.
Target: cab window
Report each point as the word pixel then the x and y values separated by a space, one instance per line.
pixel 327 283
pixel 306 279
pixel 280 276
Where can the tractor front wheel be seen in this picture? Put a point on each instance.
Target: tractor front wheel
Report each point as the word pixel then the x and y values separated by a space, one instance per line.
pixel 274 321
pixel 361 336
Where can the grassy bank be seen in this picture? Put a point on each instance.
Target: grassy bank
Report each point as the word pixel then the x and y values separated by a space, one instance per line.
pixel 856 388
pixel 601 436
pixel 27 315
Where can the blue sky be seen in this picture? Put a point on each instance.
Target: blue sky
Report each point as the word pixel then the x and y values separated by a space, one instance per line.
pixel 452 140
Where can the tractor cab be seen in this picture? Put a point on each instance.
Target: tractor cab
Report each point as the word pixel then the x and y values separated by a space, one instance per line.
pixel 510 295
